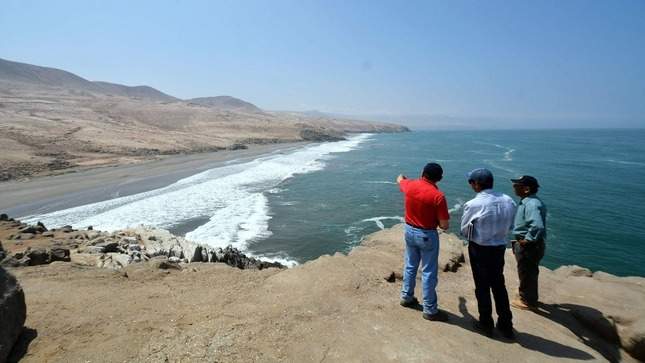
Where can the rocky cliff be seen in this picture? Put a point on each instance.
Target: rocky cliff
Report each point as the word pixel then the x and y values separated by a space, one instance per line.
pixel 336 308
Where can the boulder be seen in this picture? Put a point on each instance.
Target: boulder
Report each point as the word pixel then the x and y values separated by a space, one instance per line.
pixel 41 227
pixel 164 264
pixel 59 254
pixel 13 312
pixel 195 255
pixel 114 261
pixel 96 240
pixel 67 229
pixel 3 254
pixel 28 229
pixel 13 261
pixel 38 256
pixel 130 240
pixel 93 234
pixel 85 259
pixel 17 260
pixel 4 217
pixel 48 234
pixel 204 255
pixel 93 249
pixel 80 236
pixel 219 255
pixel 108 246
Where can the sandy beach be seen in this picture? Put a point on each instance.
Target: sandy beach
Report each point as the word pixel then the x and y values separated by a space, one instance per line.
pixel 83 186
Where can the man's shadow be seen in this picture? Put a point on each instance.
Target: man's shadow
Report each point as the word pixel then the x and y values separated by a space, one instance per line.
pixel 592 328
pixel 526 340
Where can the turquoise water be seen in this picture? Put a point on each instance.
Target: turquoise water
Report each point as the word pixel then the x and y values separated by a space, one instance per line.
pixel 591 182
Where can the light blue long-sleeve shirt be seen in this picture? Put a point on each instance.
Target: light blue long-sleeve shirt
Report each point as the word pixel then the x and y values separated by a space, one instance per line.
pixel 530 219
pixel 488 218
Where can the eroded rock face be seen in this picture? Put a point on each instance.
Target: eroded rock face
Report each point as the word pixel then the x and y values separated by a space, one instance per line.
pixel 13 312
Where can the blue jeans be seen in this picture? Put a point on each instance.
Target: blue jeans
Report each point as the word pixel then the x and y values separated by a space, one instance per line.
pixel 421 245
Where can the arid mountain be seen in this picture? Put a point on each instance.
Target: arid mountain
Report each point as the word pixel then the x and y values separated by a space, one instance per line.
pixel 51 119
pixel 225 103
pixel 27 74
pixel 145 92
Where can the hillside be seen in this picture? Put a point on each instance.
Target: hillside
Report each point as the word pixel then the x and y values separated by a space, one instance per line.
pixel 225 103
pixel 53 120
pixel 145 92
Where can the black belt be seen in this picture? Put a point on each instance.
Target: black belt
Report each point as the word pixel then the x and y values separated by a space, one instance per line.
pixel 418 227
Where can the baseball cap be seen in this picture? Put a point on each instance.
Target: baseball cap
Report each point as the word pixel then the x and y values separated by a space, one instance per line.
pixel 481 176
pixel 526 180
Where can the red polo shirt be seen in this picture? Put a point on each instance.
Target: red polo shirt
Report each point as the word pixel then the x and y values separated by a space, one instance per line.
pixel 425 204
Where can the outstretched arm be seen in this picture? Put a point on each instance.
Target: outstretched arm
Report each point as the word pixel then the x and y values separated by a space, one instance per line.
pixel 400 177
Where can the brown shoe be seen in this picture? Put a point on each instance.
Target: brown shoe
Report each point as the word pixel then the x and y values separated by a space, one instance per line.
pixel 520 304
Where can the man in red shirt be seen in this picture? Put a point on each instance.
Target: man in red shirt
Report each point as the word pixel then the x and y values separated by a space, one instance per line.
pixel 425 210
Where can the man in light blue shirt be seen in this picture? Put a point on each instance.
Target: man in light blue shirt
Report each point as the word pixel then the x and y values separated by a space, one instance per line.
pixel 486 221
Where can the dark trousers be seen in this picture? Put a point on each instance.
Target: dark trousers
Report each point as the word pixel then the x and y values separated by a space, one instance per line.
pixel 487 263
pixel 528 261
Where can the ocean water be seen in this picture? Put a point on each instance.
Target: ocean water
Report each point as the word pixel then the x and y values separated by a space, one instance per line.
pixel 321 199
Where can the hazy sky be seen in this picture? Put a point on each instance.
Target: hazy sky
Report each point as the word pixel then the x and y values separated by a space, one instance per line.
pixel 565 60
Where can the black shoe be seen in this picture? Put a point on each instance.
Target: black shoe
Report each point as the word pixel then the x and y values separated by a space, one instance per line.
pixel 507 333
pixel 409 303
pixel 438 316
pixel 487 330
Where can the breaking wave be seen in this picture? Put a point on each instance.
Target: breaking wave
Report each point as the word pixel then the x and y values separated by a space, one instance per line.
pixel 232 197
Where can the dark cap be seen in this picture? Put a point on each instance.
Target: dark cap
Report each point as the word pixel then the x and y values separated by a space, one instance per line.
pixel 481 176
pixel 526 180
pixel 433 171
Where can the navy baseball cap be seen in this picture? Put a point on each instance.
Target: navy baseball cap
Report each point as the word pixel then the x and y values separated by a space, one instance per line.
pixel 526 180
pixel 481 176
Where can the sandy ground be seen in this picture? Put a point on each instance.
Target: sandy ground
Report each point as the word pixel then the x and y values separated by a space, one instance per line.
pixel 50 193
pixel 335 309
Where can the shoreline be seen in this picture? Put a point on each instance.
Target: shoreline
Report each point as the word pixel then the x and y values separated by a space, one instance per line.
pixel 48 193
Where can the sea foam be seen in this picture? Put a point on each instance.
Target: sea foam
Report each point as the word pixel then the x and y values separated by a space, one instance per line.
pixel 232 197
